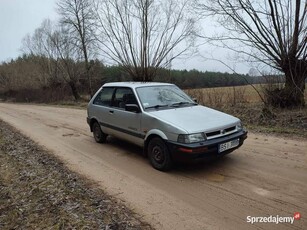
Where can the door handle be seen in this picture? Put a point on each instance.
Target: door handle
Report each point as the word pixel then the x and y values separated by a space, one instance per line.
pixel 111 111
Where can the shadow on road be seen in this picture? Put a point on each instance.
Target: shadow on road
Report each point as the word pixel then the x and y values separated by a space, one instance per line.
pixel 204 167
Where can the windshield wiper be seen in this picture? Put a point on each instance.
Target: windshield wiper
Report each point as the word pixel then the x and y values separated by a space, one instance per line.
pixel 183 103
pixel 156 106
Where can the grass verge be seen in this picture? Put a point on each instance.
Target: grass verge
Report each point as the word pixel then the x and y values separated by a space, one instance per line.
pixel 283 122
pixel 38 192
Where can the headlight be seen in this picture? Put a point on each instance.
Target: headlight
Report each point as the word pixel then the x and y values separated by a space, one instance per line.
pixel 239 126
pixel 191 138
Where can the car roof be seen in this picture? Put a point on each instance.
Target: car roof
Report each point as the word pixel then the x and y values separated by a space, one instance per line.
pixel 134 84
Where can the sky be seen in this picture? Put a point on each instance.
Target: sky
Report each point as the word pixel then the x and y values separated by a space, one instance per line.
pixel 21 17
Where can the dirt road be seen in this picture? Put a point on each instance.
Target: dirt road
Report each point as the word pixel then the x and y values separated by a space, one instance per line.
pixel 266 176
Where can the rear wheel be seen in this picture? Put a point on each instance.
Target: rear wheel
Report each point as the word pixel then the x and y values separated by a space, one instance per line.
pixel 159 155
pixel 99 136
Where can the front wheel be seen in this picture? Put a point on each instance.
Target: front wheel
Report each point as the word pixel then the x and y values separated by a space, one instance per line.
pixel 159 155
pixel 99 136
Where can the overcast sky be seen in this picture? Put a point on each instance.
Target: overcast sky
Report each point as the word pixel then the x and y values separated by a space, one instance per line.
pixel 18 18
pixel 21 17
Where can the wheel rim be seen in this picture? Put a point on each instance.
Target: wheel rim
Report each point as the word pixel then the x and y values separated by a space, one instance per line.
pixel 158 154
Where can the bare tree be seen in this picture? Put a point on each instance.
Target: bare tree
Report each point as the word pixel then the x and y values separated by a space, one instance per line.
pixel 59 55
pixel 40 45
pixel 144 35
pixel 78 17
pixel 269 31
pixel 68 57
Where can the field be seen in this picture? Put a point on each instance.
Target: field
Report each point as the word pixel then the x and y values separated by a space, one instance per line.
pixel 246 103
pixel 224 96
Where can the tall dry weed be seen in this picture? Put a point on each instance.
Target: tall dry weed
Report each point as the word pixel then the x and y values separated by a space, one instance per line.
pixel 219 97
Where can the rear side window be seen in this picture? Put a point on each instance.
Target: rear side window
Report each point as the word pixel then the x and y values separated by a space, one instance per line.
pixel 104 97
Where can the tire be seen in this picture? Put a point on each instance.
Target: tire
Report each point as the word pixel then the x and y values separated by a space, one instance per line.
pixel 99 136
pixel 159 155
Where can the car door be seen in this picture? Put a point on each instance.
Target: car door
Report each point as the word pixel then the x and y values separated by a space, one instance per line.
pixel 101 107
pixel 125 124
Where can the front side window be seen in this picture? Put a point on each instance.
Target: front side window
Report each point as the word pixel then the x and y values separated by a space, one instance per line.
pixel 104 97
pixel 166 96
pixel 124 96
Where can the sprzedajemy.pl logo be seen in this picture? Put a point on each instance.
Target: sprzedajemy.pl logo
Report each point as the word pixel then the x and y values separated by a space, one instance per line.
pixel 273 219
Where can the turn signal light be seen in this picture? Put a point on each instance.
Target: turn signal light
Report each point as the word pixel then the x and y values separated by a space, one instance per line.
pixel 198 150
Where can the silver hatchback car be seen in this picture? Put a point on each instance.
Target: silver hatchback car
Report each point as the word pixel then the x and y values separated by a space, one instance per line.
pixel 163 120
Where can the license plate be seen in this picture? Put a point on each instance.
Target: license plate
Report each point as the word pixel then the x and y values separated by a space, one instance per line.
pixel 229 145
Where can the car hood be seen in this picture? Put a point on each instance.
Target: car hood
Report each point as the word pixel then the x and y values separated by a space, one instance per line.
pixel 195 119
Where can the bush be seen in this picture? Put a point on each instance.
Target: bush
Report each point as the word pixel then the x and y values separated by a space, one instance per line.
pixel 43 95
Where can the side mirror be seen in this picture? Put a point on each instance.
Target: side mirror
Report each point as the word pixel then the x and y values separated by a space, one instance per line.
pixel 195 99
pixel 132 108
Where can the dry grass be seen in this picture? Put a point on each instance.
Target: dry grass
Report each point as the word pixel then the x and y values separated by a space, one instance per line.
pixel 38 192
pixel 225 96
pixel 217 97
pixel 245 103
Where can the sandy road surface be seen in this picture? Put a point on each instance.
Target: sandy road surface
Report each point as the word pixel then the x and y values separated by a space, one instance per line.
pixel 266 176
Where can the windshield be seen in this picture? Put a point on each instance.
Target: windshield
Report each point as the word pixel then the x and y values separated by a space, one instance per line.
pixel 165 96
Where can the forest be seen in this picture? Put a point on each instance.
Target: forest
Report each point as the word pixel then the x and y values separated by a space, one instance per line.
pixel 32 78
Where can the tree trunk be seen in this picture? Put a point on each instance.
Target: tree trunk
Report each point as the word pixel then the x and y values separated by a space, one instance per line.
pixel 89 79
pixel 295 73
pixel 294 89
pixel 74 90
pixel 292 95
pixel 142 74
pixel 87 68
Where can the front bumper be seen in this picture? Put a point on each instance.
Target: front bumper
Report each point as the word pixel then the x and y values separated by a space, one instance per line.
pixel 204 150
